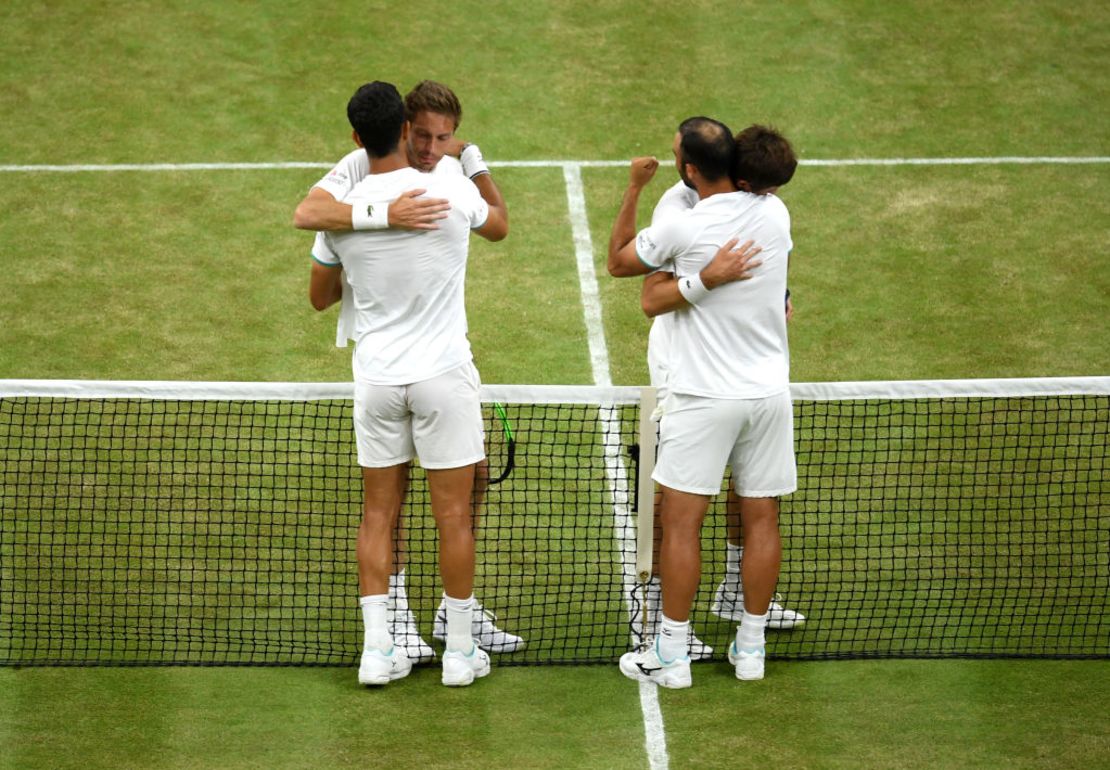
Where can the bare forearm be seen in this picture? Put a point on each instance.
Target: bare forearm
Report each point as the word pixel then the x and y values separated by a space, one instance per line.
pixel 325 286
pixel 322 213
pixel 660 295
pixel 624 229
pixel 499 212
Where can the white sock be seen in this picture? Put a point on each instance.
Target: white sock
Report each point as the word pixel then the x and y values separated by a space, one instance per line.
pixel 375 628
pixel 460 616
pixel 734 555
pixel 673 639
pixel 749 636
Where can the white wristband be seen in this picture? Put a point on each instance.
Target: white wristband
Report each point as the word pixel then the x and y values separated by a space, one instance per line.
pixel 472 163
pixel 369 216
pixel 692 289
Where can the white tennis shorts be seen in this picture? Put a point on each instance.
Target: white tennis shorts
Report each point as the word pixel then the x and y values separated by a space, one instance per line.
pixel 700 436
pixel 437 420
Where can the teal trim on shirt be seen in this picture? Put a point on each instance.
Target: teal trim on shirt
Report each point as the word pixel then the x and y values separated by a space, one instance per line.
pixel 325 264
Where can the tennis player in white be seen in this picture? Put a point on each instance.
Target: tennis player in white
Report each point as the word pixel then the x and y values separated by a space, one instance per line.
pixel 416 388
pixel 728 600
pixel 729 382
pixel 434 113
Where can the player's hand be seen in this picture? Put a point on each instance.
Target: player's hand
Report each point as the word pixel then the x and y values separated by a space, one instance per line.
pixel 454 147
pixel 410 212
pixel 789 309
pixel 643 169
pixel 731 264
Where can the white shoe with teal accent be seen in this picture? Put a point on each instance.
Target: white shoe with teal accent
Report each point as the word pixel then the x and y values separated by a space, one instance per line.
pixel 460 668
pixel 730 606
pixel 748 663
pixel 647 665
pixel 377 667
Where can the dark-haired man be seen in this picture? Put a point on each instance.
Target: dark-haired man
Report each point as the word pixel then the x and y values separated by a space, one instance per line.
pixel 434 113
pixel 730 400
pixel 416 388
pixel 728 599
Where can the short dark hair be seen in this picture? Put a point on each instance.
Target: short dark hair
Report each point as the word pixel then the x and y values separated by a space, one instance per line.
pixel 430 96
pixel 764 158
pixel 707 144
pixel 377 113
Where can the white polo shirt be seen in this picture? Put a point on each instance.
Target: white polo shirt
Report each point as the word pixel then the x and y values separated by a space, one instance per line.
pixel 733 343
pixel 344 175
pixel 407 286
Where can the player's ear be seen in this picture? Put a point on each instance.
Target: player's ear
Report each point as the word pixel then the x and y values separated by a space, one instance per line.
pixel 354 135
pixel 405 130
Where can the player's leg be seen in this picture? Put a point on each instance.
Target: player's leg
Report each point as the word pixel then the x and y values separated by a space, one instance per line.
pixel 728 600
pixel 450 495
pixel 763 468
pixel 384 443
pixel 381 662
pixel 485 631
pixel 450 491
pixel 402 621
pixel 447 432
pixel 648 606
pixel 695 439
pixel 763 555
pixel 667 660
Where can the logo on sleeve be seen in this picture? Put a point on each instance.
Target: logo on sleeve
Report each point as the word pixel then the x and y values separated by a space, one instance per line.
pixel 644 243
pixel 370 210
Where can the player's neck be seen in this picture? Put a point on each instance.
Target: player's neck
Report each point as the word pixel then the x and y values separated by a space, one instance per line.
pixel 392 162
pixel 706 189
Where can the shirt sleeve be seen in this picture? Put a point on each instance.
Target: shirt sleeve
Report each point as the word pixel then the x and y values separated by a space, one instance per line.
pixel 323 252
pixel 345 174
pixel 653 246
pixel 472 202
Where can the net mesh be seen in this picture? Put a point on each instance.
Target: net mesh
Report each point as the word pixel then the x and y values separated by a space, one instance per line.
pixel 221 531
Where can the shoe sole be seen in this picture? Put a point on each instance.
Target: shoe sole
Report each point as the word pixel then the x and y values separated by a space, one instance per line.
pixel 464 681
pixel 378 681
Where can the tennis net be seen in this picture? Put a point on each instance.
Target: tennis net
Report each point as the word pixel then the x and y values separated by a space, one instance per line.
pixel 214 523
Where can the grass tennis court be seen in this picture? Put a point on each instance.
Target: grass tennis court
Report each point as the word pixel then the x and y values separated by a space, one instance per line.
pixel 899 272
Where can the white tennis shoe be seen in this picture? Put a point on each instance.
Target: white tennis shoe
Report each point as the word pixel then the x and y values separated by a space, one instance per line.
pixel 377 667
pixel 748 663
pixel 460 669
pixel 730 606
pixel 483 628
pixel 647 665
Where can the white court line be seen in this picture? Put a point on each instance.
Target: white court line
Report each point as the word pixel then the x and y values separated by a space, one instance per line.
pixel 989 161
pixel 655 738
